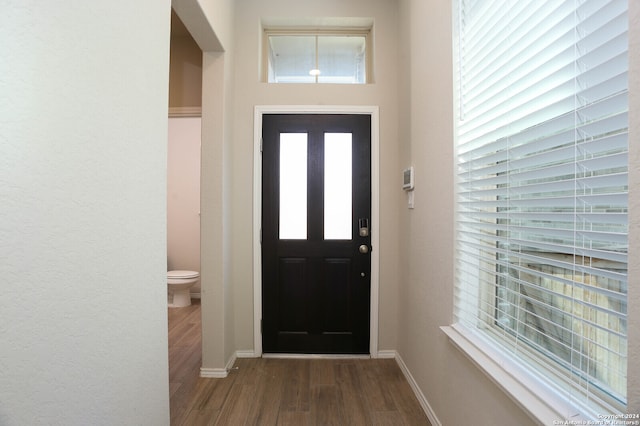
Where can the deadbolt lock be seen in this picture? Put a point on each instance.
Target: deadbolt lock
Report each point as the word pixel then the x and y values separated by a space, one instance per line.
pixel 363 227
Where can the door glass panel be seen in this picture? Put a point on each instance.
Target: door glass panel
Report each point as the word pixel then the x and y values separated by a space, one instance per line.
pixel 293 186
pixel 337 186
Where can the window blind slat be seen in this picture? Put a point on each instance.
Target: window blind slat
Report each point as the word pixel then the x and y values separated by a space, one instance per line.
pixel 549 120
pixel 610 249
pixel 539 259
pixel 561 296
pixel 583 186
pixel 542 172
pixel 554 47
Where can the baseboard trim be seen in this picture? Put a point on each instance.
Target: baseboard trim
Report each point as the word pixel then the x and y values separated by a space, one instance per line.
pixel 387 354
pixel 246 354
pixel 213 373
pixel 221 373
pixel 416 390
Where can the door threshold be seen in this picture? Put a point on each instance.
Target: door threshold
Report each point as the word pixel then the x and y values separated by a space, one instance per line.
pixel 315 356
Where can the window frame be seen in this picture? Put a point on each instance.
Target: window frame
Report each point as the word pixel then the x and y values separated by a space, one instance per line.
pixel 365 32
pixel 541 398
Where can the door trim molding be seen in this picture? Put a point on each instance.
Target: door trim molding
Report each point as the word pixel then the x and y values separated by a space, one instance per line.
pixel 373 111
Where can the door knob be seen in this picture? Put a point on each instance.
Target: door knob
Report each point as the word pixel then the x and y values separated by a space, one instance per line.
pixel 364 249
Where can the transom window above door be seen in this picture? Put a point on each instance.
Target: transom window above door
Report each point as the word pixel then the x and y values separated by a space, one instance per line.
pixel 317 56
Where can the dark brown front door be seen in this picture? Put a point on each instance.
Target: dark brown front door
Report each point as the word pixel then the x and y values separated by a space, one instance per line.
pixel 316 242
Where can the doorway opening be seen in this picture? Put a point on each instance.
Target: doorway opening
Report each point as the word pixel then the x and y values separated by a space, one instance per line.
pixel 183 207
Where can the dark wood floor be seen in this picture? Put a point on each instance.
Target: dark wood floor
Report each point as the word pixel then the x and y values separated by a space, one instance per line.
pixel 263 391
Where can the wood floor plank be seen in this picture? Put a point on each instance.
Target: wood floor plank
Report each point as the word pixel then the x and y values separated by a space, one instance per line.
pixel 326 409
pixel 247 371
pixel 236 408
pixel 387 418
pixel 377 392
pixel 269 390
pixel 406 402
pixel 201 418
pixel 181 398
pixel 350 393
pixel 322 372
pixel 184 358
pixel 294 418
pixel 183 363
pixel 173 387
pixel 282 392
pixel 296 395
pixel 212 394
pixel 190 335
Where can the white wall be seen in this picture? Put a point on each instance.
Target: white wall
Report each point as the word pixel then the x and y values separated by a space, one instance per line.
pixel 454 387
pixel 249 92
pixel 183 195
pixel 210 23
pixel 83 130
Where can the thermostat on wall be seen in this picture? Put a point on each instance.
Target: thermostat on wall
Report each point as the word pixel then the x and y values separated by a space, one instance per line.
pixel 407 179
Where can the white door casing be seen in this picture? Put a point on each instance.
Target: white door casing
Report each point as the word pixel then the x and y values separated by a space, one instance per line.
pixel 257 208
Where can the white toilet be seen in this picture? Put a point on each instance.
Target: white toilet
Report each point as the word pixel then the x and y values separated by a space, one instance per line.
pixel 179 285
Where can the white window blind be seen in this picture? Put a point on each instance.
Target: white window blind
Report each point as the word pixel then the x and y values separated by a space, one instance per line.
pixel 541 251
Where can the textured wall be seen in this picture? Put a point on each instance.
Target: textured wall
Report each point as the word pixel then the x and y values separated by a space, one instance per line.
pixel 83 135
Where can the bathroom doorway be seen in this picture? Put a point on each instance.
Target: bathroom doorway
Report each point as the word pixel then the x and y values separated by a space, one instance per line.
pixel 183 204
pixel 183 195
pixel 184 151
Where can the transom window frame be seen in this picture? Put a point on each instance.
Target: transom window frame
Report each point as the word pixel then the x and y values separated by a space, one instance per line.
pixel 296 31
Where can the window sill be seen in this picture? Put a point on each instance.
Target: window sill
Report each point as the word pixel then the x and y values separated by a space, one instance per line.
pixel 537 399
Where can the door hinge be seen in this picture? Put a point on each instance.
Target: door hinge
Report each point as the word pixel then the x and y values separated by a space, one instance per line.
pixel 260 235
pixel 260 325
pixel 261 142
